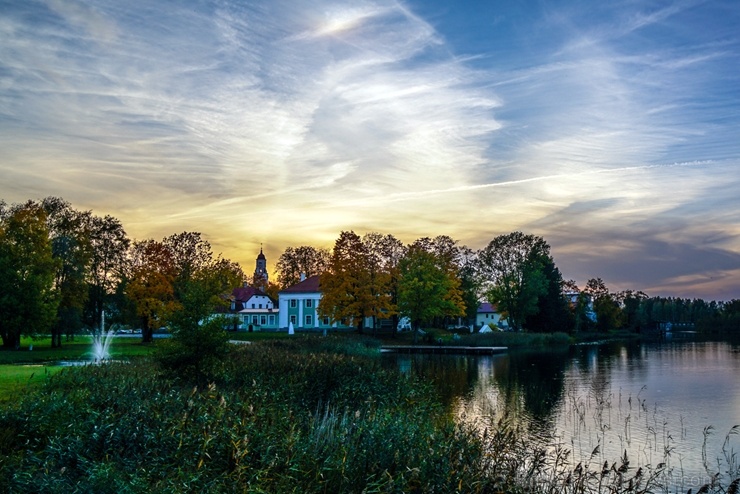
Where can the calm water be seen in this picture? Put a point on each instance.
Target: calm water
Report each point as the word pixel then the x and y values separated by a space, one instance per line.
pixel 652 400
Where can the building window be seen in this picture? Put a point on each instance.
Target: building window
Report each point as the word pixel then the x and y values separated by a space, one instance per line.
pixel 309 304
pixel 325 322
pixel 253 306
pixel 254 319
pixel 271 319
pixel 292 319
pixel 293 303
pixel 260 306
pixel 309 320
pixel 263 320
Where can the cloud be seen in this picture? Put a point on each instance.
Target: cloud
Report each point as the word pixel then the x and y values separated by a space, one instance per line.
pixel 608 129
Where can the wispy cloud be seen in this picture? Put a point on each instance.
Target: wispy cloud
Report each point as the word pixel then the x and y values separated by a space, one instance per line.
pixel 610 129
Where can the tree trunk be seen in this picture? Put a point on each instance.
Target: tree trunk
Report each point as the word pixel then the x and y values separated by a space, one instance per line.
pixel 11 341
pixel 147 334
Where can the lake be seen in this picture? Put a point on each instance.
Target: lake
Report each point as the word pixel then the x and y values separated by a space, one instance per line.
pixel 676 401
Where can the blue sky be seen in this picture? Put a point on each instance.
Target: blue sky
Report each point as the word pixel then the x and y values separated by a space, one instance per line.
pixel 612 129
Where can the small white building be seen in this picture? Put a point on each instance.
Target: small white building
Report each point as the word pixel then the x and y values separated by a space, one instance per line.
pixel 488 314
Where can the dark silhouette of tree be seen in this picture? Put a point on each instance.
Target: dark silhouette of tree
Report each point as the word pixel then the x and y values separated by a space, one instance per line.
pixel 304 260
pixel 28 301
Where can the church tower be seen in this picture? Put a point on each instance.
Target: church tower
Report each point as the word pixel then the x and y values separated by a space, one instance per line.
pixel 260 271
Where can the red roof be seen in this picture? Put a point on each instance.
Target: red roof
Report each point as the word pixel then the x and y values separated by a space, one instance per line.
pixel 244 293
pixel 486 307
pixel 309 285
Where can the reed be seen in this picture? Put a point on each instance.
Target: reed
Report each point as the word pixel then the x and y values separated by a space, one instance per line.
pixel 302 415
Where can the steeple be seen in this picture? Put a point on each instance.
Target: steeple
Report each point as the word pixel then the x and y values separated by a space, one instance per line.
pixel 260 271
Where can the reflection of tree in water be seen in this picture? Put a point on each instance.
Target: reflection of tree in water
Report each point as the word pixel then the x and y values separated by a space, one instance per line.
pixel 533 383
pixel 453 376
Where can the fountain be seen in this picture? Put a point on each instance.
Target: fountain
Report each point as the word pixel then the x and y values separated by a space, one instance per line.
pixel 101 342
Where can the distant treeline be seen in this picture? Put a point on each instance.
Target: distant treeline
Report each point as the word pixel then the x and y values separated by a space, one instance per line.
pixel 61 269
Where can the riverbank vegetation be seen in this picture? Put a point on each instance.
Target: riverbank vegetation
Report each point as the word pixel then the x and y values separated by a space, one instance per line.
pixel 308 414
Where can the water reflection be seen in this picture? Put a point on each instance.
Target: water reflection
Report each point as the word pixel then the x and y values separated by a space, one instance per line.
pixel 653 400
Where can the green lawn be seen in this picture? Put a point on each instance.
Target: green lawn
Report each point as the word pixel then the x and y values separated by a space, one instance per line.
pixel 33 351
pixel 15 379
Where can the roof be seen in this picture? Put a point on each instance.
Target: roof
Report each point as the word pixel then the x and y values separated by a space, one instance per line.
pixel 309 285
pixel 261 255
pixel 486 307
pixel 244 293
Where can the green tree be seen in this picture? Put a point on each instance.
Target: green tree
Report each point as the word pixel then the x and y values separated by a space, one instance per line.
pixel 28 302
pixel 552 314
pixel 107 267
pixel 460 262
pixel 512 274
pixel 606 307
pixel 427 289
pixel 633 316
pixel 199 342
pixel 69 231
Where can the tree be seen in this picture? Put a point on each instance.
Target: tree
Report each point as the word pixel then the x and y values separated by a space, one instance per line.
pixel 459 262
pixel 427 289
pixel 107 267
pixel 632 302
pixel 28 302
pixel 151 285
pixel 346 287
pixel 552 314
pixel 606 307
pixel 511 269
pixel 69 231
pixel 304 260
pixel 384 253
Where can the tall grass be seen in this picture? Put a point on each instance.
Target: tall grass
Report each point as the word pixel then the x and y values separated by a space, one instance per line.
pixel 302 415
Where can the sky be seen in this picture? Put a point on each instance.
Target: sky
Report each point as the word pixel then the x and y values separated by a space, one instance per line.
pixel 611 129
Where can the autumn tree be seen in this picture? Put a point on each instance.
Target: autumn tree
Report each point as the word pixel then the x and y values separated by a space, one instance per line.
pixel 304 260
pixel 150 285
pixel 346 288
pixel 427 288
pixel 384 254
pixel 511 269
pixel 28 302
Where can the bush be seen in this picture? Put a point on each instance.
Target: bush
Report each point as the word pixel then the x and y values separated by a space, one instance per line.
pixel 196 353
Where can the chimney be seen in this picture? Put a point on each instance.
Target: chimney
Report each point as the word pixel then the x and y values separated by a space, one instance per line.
pixel 303 276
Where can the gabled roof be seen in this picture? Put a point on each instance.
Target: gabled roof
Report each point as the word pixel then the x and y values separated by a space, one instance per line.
pixel 244 293
pixel 485 307
pixel 309 285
